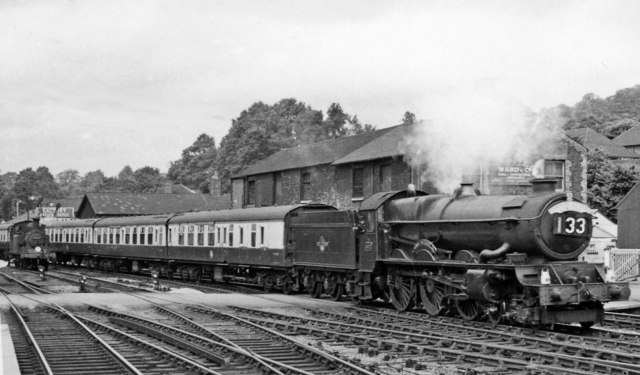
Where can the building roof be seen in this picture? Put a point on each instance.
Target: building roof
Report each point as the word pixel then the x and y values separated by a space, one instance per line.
pixel 384 146
pixel 312 154
pixel 122 204
pixel 64 202
pixel 592 140
pixel 629 138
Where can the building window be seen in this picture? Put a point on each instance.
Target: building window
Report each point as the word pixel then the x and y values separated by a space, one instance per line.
pixel 384 182
pixel 358 191
pixel 555 169
pixel 251 192
pixel 277 188
pixel 305 186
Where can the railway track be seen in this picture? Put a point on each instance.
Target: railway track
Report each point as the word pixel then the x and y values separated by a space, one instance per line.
pixel 49 340
pixel 394 336
pixel 205 285
pixel 236 343
pixel 621 320
pixel 13 285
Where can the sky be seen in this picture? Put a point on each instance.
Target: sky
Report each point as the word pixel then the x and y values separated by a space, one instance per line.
pixel 90 85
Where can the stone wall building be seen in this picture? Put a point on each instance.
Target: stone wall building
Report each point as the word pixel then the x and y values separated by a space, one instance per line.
pixel 344 171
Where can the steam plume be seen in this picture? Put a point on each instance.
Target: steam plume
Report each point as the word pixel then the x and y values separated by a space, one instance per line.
pixel 478 128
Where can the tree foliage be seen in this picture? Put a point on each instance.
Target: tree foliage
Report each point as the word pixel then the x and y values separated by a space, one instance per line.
pixel 144 180
pixel 607 183
pixel 197 164
pixel 610 116
pixel 263 129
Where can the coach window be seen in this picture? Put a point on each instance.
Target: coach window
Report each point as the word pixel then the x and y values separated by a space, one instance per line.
pixel 181 235
pixel 357 174
pixel 219 237
pixel 200 235
pixel 211 238
pixel 134 236
pixel 142 235
pixel 241 241
pixel 190 229
pixel 253 235
pixel 118 235
pixel 261 235
pixel 231 235
pixel 160 236
pixel 150 236
pixel 98 236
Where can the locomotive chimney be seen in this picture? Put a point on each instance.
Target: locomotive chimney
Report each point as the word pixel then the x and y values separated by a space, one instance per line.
pixel 466 188
pixel 544 185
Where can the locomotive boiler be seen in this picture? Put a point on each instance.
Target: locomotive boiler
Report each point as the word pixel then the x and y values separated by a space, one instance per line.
pixel 503 257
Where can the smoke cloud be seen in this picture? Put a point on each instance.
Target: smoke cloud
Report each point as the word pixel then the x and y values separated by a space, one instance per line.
pixel 478 128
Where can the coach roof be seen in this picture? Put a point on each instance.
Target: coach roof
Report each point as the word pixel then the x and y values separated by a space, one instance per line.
pixel 133 220
pixel 244 214
pixel 78 223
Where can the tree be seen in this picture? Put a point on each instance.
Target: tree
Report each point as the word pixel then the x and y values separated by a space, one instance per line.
pixel 355 127
pixel 607 183
pixel 197 164
pixel 334 124
pixel 263 129
pixel 91 181
pixel 408 118
pixel 69 183
pixel 147 180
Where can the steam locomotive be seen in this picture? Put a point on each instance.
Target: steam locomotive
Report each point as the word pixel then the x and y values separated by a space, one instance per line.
pixel 505 258
pixel 25 244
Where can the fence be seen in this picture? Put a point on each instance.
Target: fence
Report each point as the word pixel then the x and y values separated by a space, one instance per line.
pixel 625 262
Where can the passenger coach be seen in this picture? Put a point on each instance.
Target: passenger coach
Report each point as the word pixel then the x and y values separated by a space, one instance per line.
pixel 249 245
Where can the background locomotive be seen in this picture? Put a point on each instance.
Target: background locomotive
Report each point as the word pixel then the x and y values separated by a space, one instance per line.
pixel 25 244
pixel 501 257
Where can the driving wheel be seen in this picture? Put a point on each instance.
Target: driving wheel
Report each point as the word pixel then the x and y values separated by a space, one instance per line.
pixel 432 295
pixel 468 309
pixel 403 292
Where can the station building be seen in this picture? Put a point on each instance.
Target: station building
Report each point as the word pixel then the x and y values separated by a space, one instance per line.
pixel 344 171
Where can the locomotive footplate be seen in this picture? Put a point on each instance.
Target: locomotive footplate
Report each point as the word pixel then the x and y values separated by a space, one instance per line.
pixel 550 316
pixel 562 294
